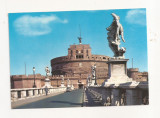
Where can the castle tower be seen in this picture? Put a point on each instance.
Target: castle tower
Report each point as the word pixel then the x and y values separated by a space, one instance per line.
pixel 77 64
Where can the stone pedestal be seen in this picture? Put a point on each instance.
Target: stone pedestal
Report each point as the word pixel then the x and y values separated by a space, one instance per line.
pixel 92 82
pixel 23 94
pixel 36 92
pixel 62 84
pixel 72 87
pixel 117 71
pixel 47 83
pixel 14 95
pixel 40 91
pixel 30 92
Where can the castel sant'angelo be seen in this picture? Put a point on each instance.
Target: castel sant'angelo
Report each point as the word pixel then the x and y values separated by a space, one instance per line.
pixel 76 67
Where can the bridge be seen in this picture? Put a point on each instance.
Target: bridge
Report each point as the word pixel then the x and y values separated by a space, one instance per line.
pixel 124 94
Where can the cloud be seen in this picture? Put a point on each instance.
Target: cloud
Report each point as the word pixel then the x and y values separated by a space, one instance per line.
pixel 36 25
pixel 136 17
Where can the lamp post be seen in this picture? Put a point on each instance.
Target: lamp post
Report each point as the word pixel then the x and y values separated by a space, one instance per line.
pixel 34 85
pixel 95 75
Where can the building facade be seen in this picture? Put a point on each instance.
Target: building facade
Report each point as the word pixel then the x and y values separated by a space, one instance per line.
pixel 136 75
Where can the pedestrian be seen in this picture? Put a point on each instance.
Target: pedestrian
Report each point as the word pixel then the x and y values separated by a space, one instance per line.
pixel 46 90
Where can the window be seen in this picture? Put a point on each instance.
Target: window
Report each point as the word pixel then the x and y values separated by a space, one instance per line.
pixel 82 56
pixel 76 56
pixel 87 52
pixel 79 56
pixel 71 52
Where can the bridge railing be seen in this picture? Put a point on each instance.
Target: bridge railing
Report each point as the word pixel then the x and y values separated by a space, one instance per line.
pixel 123 94
pixel 24 93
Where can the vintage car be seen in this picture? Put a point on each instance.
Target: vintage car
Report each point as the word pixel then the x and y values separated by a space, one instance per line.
pixel 68 89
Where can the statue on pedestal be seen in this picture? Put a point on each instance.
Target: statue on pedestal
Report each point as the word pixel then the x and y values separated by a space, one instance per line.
pixel 117 66
pixel 68 83
pixel 93 68
pixel 62 82
pixel 115 30
pixel 47 80
pixel 89 81
pixel 62 79
pixel 47 71
pixel 72 87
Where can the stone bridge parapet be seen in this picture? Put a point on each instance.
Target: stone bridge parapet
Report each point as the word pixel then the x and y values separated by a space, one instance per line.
pixel 24 93
pixel 123 94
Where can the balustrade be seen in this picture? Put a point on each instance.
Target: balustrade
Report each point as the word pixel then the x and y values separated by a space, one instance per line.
pixel 19 94
pixel 121 95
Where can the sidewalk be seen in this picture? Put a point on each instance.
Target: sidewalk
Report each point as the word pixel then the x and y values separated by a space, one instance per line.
pixel 33 99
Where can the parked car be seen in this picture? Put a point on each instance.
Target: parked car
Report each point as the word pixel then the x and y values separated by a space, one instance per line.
pixel 68 89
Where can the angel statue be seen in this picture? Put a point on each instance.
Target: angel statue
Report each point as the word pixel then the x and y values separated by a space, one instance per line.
pixel 47 71
pixel 115 30
pixel 93 68
pixel 62 79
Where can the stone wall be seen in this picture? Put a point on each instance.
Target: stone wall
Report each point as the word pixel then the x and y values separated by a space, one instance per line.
pixel 136 75
pixel 76 67
pixel 23 81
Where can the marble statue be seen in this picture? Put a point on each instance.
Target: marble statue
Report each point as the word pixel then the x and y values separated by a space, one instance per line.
pixel 62 82
pixel 88 80
pixel 62 78
pixel 47 71
pixel 68 82
pixel 115 30
pixel 47 80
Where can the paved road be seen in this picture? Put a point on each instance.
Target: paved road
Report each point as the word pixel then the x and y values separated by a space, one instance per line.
pixel 32 99
pixel 68 99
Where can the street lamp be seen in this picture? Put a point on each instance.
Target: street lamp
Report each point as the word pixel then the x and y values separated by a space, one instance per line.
pixel 34 85
pixel 95 75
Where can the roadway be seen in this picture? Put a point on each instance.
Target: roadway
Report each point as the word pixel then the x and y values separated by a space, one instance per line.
pixel 67 99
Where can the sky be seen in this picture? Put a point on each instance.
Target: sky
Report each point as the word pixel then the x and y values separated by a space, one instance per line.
pixel 36 38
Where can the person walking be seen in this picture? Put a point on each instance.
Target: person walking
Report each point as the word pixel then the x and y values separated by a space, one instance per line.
pixel 46 90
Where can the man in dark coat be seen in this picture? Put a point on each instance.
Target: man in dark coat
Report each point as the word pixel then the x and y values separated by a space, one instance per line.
pixel 46 90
